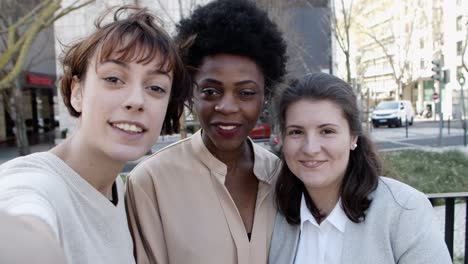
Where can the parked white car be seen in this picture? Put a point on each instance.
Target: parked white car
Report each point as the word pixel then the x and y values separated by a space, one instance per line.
pixel 393 113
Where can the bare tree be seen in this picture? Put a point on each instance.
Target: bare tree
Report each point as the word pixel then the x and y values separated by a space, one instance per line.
pixel 341 20
pixel 396 47
pixel 20 24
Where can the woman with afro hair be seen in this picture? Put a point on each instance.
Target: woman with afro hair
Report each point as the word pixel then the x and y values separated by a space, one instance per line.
pixel 209 198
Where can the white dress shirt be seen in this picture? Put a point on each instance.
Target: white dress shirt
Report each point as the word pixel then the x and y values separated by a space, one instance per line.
pixel 321 243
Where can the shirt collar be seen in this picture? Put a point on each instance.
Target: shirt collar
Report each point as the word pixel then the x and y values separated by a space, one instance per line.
pixel 264 162
pixel 336 218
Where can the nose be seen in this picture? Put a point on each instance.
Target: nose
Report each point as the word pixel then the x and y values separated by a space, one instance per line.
pixel 227 105
pixel 311 145
pixel 134 100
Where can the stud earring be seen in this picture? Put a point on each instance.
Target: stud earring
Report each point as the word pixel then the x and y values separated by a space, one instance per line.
pixel 354 146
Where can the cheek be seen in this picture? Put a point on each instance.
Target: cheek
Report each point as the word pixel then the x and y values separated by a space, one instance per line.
pixel 254 108
pixel 202 110
pixel 290 148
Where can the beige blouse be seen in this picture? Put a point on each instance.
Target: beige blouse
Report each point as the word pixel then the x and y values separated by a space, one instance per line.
pixel 180 211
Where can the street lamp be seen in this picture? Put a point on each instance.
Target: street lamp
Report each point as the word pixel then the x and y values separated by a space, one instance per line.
pixel 461 81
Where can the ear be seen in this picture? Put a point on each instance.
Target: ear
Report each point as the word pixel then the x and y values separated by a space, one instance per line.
pixel 76 97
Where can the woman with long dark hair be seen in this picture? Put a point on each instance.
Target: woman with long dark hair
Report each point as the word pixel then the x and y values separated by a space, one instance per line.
pixel 333 205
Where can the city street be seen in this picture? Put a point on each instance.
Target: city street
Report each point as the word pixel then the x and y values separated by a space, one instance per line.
pixel 422 134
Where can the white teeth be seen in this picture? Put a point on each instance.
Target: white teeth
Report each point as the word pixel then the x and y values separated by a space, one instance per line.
pixel 128 127
pixel 310 163
pixel 227 127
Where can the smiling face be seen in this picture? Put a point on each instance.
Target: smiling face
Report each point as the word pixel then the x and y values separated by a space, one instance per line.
pixel 317 144
pixel 122 106
pixel 228 100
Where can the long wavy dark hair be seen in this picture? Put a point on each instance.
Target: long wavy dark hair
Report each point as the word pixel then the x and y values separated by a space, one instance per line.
pixel 364 165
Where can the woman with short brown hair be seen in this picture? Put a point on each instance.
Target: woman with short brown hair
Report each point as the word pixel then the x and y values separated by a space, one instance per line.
pixel 118 82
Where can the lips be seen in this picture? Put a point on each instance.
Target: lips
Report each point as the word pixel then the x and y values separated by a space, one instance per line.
pixel 129 126
pixel 312 164
pixel 227 129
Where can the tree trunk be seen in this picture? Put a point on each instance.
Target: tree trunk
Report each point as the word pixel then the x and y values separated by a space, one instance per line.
pixel 18 105
pixel 398 90
pixel 348 68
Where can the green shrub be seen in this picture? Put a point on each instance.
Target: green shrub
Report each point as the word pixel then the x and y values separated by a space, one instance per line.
pixel 429 172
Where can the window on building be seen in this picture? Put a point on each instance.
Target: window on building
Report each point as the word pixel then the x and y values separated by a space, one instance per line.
pixel 459 23
pixel 459 48
pixel 422 64
pixel 421 43
pixel 459 2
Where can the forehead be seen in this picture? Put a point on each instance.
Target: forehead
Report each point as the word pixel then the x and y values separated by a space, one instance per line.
pixel 229 68
pixel 129 50
pixel 307 112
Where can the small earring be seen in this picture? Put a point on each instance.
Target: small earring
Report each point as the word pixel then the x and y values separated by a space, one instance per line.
pixel 354 146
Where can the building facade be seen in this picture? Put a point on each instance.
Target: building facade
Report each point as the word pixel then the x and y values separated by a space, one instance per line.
pixel 397 43
pixel 37 81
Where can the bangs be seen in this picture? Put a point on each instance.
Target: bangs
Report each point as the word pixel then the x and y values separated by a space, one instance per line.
pixel 134 44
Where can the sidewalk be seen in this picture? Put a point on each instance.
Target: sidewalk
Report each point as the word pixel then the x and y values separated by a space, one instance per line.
pixel 8 153
pixel 399 136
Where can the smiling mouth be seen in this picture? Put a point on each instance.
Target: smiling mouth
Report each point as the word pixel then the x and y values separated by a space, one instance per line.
pixel 228 128
pixel 129 128
pixel 311 164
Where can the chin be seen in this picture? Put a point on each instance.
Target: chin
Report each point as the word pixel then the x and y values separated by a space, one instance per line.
pixel 126 154
pixel 227 146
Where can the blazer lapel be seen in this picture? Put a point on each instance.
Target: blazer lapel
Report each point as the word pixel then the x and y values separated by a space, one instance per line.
pixel 284 241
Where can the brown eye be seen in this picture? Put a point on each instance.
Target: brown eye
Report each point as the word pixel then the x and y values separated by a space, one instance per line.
pixel 112 79
pixel 210 91
pixel 157 89
pixel 295 132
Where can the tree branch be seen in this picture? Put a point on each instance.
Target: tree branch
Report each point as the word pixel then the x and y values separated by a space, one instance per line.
pixel 30 34
pixel 166 12
pixel 67 10
pixel 464 63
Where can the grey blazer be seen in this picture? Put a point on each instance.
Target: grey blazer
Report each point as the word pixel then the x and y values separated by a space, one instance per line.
pixel 400 227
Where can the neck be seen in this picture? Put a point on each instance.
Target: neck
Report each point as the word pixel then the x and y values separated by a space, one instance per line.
pixel 232 158
pixel 95 167
pixel 324 199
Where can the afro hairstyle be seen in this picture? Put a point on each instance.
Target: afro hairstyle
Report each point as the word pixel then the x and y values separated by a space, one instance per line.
pixel 235 27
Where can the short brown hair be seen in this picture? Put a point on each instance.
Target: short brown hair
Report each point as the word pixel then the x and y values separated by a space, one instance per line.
pixel 137 37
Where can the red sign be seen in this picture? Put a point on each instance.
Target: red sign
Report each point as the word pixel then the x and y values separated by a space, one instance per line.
pixel 435 96
pixel 38 80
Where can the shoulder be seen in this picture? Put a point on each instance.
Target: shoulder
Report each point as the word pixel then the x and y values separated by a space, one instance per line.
pixel 33 171
pixel 168 155
pixel 398 194
pixel 265 160
pixel 171 157
pixel 394 203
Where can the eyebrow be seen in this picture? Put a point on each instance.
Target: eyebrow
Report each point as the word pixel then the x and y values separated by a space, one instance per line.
pixel 209 80
pixel 329 124
pixel 246 82
pixel 120 63
pixel 293 126
pixel 323 125
pixel 125 65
